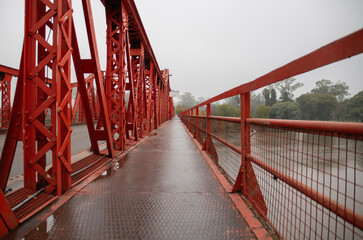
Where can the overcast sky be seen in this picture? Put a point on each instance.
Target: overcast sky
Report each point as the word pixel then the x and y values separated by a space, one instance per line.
pixel 211 46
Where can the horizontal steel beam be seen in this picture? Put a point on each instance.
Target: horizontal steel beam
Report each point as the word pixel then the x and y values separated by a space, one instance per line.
pixel 9 70
pixel 348 128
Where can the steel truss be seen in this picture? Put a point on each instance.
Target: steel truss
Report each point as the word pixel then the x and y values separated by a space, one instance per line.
pixel 42 110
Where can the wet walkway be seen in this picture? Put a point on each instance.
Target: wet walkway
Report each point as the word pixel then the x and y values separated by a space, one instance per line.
pixel 163 190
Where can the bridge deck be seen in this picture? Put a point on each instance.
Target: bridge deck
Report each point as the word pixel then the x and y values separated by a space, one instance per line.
pixel 164 189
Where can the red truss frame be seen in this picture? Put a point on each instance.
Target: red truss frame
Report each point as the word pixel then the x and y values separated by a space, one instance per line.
pixel 42 109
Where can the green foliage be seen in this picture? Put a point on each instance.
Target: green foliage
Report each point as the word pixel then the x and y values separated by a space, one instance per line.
pixel 339 89
pixel 286 89
pixel 273 99
pixel 234 101
pixel 180 109
pixel 262 111
pixel 227 110
pixel 285 110
pixel 355 108
pixel 339 113
pixel 266 95
pixel 314 106
pixel 186 101
pixel 256 99
pixel 285 97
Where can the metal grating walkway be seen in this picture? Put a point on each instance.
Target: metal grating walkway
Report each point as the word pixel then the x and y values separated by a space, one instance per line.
pixel 163 190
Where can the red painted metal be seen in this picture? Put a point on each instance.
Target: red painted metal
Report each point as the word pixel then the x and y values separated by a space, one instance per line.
pixel 5 87
pixel 301 176
pixel 117 25
pixel 9 70
pixel 42 110
pixel 12 134
pixel 8 221
pixel 6 76
pixel 94 64
pixel 35 65
pixel 64 96
pixel 334 128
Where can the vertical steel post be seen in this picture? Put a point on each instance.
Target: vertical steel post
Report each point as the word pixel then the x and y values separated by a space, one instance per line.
pixel 241 180
pixel 207 135
pixel 116 72
pixel 41 96
pixel 151 105
pixel 245 137
pixel 104 134
pixel 196 123
pixel 137 54
pixel 64 96
pixel 156 102
pixel 38 96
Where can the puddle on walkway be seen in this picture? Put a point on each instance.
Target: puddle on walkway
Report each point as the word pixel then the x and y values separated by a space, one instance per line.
pixel 113 169
pixel 42 230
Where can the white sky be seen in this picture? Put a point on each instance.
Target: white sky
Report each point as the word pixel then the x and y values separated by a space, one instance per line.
pixel 211 46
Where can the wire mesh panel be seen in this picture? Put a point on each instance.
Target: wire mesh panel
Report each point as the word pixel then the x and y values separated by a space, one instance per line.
pixel 228 131
pixel 201 130
pixel 310 173
pixel 192 124
pixel 228 159
pixel 311 181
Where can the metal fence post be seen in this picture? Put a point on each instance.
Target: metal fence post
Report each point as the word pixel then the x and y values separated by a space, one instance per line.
pixel 196 123
pixel 205 146
pixel 241 180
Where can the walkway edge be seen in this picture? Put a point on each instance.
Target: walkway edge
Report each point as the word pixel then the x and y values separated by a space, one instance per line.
pixel 252 221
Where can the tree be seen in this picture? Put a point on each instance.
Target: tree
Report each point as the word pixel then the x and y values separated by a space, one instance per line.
pixel 286 89
pixel 262 111
pixel 266 95
pixel 180 109
pixel 355 108
pixel 200 100
pixel 339 89
pixel 273 99
pixel 227 110
pixel 187 100
pixel 234 101
pixel 285 110
pixel 256 99
pixel 314 106
pixel 340 112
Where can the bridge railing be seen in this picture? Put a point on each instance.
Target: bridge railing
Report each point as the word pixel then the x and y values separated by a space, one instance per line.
pixel 305 178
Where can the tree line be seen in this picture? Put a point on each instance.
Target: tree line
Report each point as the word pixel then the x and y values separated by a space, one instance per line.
pixel 326 101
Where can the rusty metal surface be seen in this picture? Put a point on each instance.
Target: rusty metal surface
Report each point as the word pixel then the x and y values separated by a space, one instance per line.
pixel 163 190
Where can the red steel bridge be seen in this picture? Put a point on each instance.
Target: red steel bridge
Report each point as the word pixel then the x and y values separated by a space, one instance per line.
pixel 149 174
